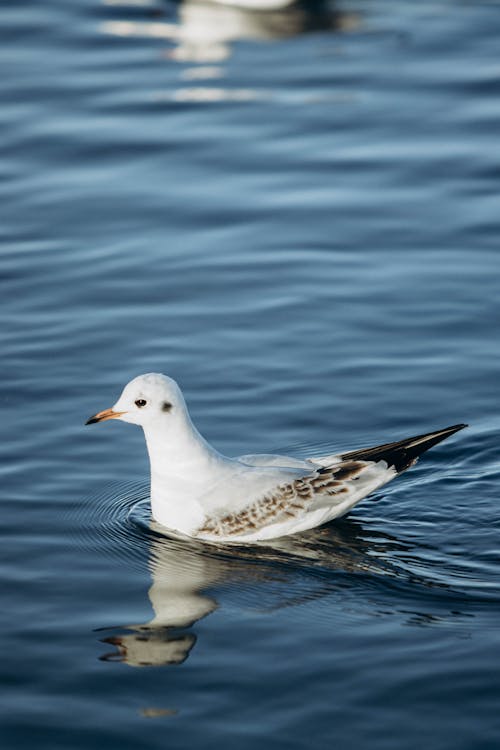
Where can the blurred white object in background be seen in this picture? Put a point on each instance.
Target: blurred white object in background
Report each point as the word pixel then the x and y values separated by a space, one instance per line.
pixel 206 28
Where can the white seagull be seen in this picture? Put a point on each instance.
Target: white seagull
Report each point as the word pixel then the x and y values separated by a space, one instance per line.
pixel 198 492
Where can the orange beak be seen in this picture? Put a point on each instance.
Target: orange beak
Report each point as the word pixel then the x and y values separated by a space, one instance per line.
pixel 103 415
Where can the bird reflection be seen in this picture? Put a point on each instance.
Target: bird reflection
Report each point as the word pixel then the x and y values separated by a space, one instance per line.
pixel 208 28
pixel 205 29
pixel 180 574
pixel 183 570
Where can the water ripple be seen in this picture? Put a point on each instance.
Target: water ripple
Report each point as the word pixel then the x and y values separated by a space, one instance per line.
pixel 347 554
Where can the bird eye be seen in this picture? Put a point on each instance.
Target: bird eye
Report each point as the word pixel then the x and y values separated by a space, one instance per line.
pixel 140 403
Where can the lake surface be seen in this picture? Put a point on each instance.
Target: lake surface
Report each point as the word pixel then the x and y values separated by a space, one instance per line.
pixel 296 215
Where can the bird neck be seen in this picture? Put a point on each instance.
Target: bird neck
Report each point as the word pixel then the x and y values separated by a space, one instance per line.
pixel 176 448
pixel 183 465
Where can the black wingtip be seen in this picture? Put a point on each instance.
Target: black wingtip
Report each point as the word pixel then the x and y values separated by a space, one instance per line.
pixel 403 453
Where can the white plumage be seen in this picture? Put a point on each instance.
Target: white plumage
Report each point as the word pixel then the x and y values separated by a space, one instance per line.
pixel 198 492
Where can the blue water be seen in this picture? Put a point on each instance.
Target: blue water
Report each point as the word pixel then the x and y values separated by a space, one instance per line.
pixel 296 215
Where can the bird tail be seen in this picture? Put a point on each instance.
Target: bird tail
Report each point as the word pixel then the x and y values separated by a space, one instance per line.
pixel 402 453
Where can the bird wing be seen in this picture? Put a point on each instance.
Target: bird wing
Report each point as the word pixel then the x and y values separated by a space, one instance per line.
pixel 343 483
pixel 401 454
pixel 296 499
pixel 273 459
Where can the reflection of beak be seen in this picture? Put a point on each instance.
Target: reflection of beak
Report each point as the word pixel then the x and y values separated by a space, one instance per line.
pixel 103 415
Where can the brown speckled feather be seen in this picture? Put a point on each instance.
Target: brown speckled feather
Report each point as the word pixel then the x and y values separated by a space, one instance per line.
pixel 287 501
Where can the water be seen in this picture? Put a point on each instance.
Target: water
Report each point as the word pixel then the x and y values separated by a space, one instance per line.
pixel 295 215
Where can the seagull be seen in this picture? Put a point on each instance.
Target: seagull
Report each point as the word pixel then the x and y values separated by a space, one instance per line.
pixel 199 493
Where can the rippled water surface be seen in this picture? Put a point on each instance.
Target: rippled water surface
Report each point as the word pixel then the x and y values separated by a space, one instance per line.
pixel 296 214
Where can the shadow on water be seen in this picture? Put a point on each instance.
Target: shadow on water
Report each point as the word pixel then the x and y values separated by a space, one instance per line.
pixel 203 31
pixel 357 567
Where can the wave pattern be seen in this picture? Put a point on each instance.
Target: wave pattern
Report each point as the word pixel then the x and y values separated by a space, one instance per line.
pixel 294 212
